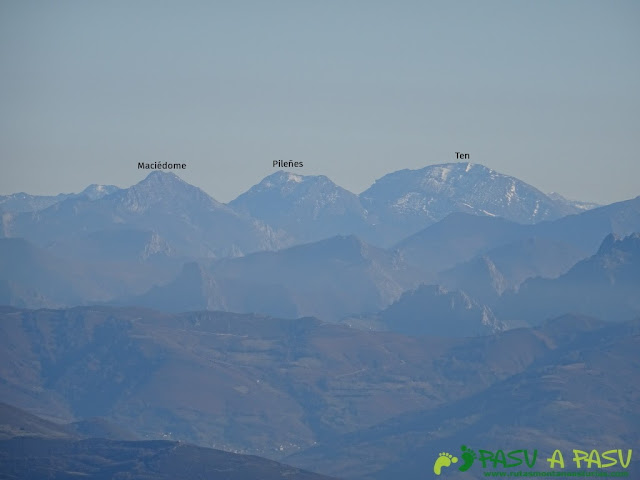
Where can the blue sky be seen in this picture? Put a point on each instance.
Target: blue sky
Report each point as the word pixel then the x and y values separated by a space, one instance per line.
pixel 546 91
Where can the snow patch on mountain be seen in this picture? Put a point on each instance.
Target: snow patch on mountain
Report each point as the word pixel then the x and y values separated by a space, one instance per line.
pixel 294 178
pixel 578 205
pixel 410 202
pixel 95 192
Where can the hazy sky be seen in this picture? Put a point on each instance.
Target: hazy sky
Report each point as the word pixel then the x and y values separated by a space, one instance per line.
pixel 547 91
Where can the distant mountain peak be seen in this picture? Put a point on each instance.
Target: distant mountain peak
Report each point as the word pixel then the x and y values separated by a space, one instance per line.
pixel 165 188
pixel 401 203
pixel 290 180
pixel 315 191
pixel 309 207
pixel 435 310
pixel 95 191
pixel 161 177
pixel 408 199
pixel 608 243
pixel 614 242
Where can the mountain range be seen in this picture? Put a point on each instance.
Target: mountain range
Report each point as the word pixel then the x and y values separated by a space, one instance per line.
pixel 322 397
pixel 23 202
pixel 605 285
pixel 163 243
pixel 283 209
pixel 398 204
pixel 407 201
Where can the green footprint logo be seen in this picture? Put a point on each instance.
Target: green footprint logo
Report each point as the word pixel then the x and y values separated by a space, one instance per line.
pixel 444 460
pixel 468 457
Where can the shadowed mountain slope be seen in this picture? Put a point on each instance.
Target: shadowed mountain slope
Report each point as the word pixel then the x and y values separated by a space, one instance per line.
pixel 433 310
pixel 583 394
pixel 327 279
pixel 489 275
pixel 461 237
pixel 605 285
pixel 31 276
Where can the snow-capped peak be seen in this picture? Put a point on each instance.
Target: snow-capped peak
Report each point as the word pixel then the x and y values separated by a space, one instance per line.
pixel 435 191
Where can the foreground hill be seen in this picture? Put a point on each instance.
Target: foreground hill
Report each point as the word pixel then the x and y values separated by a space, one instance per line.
pixel 99 459
pixel 33 448
pixel 245 383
